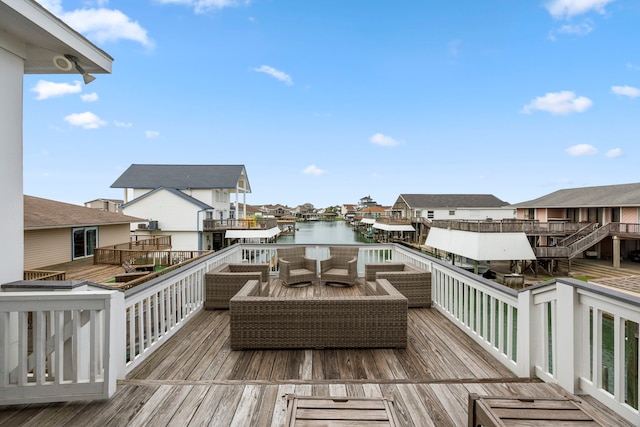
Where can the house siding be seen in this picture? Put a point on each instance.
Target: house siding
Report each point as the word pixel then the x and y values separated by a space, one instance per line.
pixel 46 247
pixel 54 245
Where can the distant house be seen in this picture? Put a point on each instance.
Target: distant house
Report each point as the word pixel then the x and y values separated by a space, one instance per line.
pixel 452 207
pixel 179 199
pixel 348 211
pixel 372 212
pixel 600 205
pixel 107 205
pixel 57 232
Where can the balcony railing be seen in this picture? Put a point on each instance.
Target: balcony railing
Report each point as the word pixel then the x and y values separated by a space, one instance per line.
pixel 581 336
pixel 238 224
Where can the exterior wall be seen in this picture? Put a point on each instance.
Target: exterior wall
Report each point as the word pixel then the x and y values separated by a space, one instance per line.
pixel 541 215
pixel 46 247
pixel 630 215
pixel 54 245
pixel 184 240
pixel 469 214
pixel 171 212
pixel 113 234
pixel 12 212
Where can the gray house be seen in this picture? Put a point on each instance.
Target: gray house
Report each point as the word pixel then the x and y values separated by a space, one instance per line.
pixel 452 206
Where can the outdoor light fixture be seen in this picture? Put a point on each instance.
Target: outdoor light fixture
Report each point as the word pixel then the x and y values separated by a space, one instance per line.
pixel 88 78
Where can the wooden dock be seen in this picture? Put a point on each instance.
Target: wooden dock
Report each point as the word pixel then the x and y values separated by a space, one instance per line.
pixel 196 379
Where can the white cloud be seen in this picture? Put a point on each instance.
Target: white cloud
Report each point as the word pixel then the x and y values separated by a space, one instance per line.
pixel 383 140
pixel 582 150
pixel 560 9
pixel 633 67
pixel 576 29
pixel 122 124
pixel 85 120
pixel 89 97
pixel 313 170
pixel 151 134
pixel 100 24
pixel 106 25
pixel 615 152
pixel 202 6
pixel 277 74
pixel 630 91
pixel 563 102
pixel 45 89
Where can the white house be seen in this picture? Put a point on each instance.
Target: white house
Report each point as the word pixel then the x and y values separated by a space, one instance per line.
pixel 452 207
pixel 30 39
pixel 177 199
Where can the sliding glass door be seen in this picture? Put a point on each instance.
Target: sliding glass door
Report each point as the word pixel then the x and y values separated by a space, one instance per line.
pixel 84 241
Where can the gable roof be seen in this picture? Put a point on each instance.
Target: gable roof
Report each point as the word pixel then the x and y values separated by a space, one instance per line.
pixel 453 201
pixel 181 177
pixel 44 213
pixel 177 193
pixel 600 196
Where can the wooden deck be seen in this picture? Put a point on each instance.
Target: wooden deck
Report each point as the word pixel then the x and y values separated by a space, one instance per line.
pixel 196 379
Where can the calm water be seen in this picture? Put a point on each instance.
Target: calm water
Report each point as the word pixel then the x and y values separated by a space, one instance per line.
pixel 324 232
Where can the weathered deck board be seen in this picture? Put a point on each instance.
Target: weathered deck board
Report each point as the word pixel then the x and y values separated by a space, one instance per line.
pixel 196 379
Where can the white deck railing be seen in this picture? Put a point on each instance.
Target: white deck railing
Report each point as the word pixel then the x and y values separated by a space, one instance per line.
pixel 558 331
pixel 58 346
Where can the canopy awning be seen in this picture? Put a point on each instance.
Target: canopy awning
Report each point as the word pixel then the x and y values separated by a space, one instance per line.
pixel 393 227
pixel 258 233
pixel 481 246
pixel 368 220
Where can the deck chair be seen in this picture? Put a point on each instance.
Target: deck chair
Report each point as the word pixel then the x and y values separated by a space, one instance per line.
pixel 341 268
pixel 295 267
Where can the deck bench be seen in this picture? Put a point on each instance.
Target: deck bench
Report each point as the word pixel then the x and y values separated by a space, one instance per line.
pixel 375 320
pixel 412 282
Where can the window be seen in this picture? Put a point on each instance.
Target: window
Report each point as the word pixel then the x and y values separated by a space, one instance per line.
pixel 430 214
pixel 452 212
pixel 84 242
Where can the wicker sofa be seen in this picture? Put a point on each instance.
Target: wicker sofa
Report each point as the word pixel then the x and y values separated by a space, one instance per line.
pixel 412 282
pixel 226 280
pixel 378 320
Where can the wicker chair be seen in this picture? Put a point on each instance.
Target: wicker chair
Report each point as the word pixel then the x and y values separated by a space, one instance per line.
pixel 295 267
pixel 412 282
pixel 341 268
pixel 226 280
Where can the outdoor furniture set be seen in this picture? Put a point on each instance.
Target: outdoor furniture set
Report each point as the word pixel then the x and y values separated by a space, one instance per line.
pixel 377 319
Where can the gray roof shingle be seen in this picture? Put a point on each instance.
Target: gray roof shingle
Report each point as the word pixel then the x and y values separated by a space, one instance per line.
pixel 180 176
pixel 45 213
pixel 453 201
pixel 601 196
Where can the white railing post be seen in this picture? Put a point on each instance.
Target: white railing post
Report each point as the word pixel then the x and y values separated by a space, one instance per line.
pixel 567 337
pixel 524 334
pixel 115 320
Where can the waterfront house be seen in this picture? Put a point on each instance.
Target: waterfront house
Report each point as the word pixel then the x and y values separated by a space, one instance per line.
pixel 611 211
pixel 57 232
pixel 452 207
pixel 195 204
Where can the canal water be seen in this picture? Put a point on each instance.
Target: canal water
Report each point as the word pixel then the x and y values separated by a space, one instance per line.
pixel 325 233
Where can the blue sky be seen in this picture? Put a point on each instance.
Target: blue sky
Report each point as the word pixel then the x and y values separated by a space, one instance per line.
pixel 330 101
